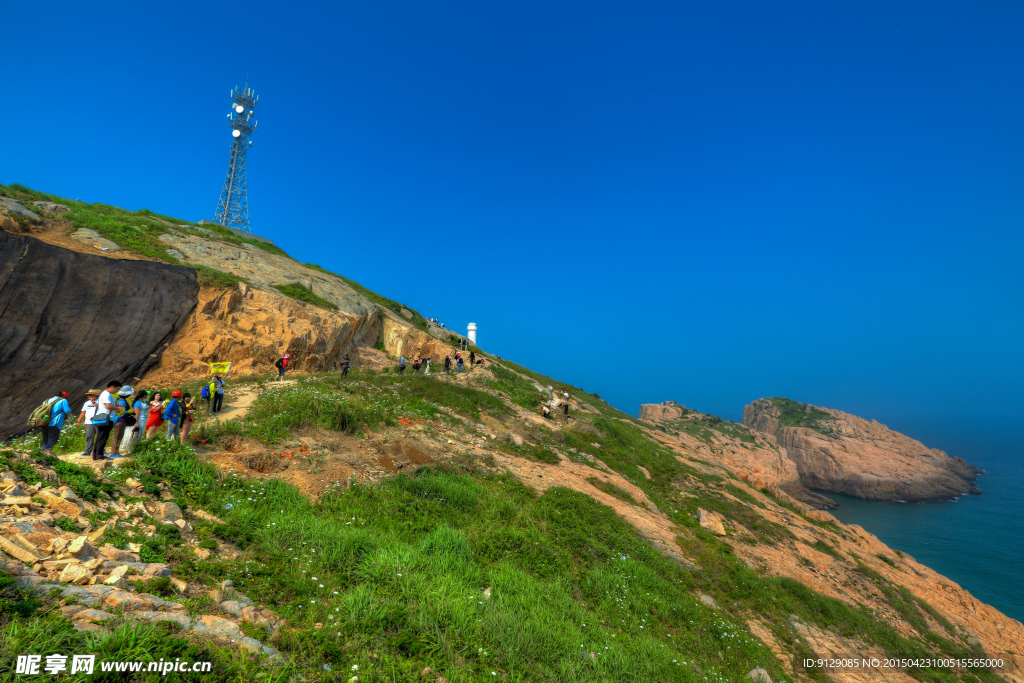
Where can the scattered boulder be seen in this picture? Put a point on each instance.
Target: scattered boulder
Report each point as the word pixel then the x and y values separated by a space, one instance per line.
pixel 75 573
pixel 712 521
pixel 82 549
pixel 708 600
pixel 93 238
pixel 166 512
pixel 52 207
pixel 759 676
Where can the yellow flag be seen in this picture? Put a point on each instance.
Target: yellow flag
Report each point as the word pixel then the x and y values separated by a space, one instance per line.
pixel 220 367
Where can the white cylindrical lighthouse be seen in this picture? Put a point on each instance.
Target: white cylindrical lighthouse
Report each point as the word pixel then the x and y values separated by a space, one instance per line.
pixel 471 333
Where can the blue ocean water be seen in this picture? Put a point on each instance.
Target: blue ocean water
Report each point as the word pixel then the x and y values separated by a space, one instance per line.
pixel 977 540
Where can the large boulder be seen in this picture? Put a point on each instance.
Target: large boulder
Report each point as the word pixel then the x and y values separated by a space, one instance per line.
pixel 73 321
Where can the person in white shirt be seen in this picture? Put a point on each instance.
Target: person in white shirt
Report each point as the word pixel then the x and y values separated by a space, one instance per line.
pixel 102 418
pixel 85 417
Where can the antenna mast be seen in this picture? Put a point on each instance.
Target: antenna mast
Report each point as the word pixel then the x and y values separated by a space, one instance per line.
pixel 233 206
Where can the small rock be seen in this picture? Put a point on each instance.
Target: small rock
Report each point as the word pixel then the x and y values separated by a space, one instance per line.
pixel 711 521
pixel 179 586
pixel 52 207
pixel 133 483
pixel 82 549
pixel 75 573
pixel 708 600
pixel 183 525
pixel 487 594
pixel 516 439
pixel 759 676
pixel 93 238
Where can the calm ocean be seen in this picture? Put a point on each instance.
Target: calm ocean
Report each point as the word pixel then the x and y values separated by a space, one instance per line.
pixel 977 541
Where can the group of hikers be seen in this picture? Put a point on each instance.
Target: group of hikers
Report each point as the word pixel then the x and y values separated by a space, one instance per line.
pixel 564 405
pixel 121 416
pixel 423 363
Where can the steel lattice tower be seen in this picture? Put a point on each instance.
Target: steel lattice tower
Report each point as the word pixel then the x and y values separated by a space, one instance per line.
pixel 233 207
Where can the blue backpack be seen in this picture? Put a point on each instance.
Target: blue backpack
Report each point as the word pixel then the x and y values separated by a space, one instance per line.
pixel 206 391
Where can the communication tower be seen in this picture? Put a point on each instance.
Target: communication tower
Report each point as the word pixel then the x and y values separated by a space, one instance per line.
pixel 233 207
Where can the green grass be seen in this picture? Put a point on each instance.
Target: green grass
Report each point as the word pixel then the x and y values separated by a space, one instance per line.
pixel 593 400
pixel 519 390
pixel 364 399
pixel 300 292
pixel 793 414
pixel 211 277
pixel 400 570
pixel 612 490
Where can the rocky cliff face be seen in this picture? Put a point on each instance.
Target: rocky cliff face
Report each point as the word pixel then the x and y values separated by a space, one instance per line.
pixel 658 412
pixel 253 327
pixel 756 461
pixel 860 458
pixel 74 321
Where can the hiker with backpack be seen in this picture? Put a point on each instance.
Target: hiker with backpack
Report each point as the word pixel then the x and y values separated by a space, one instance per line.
pixel 85 417
pixel 103 419
pixel 345 364
pixel 207 394
pixel 460 363
pixel 218 394
pixel 416 365
pixel 281 365
pixel 123 417
pixel 188 415
pixel 49 418
pixel 172 415
pixel 447 365
pixel 472 359
pixel 156 412
pixel 401 365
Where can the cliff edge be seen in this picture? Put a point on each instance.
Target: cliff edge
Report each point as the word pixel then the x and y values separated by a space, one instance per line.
pixel 840 453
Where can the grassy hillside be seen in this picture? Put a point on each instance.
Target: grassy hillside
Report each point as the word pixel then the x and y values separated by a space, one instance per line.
pixel 464 569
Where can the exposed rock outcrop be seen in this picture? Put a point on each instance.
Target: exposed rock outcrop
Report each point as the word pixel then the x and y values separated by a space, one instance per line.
pixel 265 269
pixel 861 458
pixel 72 321
pixel 658 412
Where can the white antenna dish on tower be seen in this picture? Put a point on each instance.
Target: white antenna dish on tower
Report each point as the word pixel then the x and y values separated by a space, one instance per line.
pixel 236 132
pixel 239 109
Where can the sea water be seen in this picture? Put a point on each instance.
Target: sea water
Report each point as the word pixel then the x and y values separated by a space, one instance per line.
pixel 976 540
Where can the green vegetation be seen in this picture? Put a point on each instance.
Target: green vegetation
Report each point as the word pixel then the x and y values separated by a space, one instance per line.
pixel 793 414
pixel 300 292
pixel 211 277
pixel 520 391
pixel 612 490
pixel 824 547
pixel 395 574
pixel 594 400
pixel 364 399
pixel 701 426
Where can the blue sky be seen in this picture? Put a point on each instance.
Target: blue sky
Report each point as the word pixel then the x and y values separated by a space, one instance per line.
pixel 704 202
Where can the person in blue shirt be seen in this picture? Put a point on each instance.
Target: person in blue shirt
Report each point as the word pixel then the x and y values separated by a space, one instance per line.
pixel 172 414
pixel 58 413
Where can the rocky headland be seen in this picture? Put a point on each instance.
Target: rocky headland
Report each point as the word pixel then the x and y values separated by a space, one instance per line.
pixel 836 452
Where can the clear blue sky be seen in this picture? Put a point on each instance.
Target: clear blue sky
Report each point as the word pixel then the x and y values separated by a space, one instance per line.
pixel 705 202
